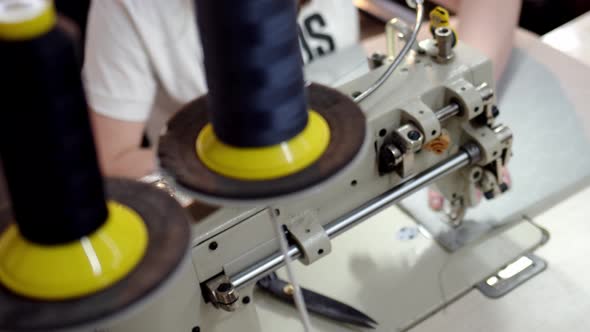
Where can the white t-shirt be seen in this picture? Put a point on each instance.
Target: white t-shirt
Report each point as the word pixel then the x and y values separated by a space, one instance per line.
pixel 144 59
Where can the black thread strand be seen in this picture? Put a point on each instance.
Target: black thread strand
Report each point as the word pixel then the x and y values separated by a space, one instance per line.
pixel 46 142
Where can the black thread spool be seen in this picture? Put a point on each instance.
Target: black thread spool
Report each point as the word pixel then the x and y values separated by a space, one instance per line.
pixel 46 142
pixel 253 66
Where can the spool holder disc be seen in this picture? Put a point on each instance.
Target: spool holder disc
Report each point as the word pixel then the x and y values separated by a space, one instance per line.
pixel 178 158
pixel 168 232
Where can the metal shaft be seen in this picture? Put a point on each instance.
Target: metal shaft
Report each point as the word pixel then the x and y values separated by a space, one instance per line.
pixel 447 112
pixel 381 202
pixel 444 40
pixel 348 221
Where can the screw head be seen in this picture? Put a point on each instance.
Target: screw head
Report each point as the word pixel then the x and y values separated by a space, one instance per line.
pixel 407 233
pixel 289 289
pixel 495 111
pixel 504 187
pixel 224 287
pixel 414 135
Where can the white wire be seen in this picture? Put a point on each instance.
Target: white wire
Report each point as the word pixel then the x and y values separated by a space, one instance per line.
pixel 297 294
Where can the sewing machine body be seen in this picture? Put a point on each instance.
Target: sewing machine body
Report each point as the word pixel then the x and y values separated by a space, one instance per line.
pixel 226 241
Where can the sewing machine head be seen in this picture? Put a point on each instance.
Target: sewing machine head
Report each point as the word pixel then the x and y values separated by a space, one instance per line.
pixel 431 121
pixel 425 114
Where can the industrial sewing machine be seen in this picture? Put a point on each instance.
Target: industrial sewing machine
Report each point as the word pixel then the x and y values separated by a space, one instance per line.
pixel 421 117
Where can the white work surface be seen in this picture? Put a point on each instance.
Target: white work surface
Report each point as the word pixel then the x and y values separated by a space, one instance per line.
pixel 572 38
pixel 559 298
pixel 556 300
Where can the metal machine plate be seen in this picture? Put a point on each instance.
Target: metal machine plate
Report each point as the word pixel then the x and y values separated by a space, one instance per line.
pixel 503 286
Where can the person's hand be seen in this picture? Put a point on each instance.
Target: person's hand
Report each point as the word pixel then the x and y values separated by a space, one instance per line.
pixel 436 200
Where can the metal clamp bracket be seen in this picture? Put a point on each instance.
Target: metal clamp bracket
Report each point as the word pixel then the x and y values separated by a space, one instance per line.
pixel 309 236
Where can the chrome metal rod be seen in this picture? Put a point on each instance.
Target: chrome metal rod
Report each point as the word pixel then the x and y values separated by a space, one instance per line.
pixel 262 268
pixel 398 193
pixel 348 221
pixel 447 112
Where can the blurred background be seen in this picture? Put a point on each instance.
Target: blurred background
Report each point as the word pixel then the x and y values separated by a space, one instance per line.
pixel 538 16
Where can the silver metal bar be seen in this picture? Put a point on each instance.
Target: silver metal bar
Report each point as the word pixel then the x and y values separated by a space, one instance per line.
pixel 385 200
pixel 262 268
pixel 447 112
pixel 444 41
pixel 348 221
pixel 400 57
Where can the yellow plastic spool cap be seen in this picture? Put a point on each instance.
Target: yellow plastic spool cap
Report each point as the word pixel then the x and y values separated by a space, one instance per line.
pixel 265 163
pixel 25 19
pixel 75 269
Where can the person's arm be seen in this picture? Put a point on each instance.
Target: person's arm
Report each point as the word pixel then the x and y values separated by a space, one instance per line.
pixel 117 143
pixel 488 25
pixel 120 88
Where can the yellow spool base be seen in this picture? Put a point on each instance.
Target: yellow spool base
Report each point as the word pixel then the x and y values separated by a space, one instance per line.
pixel 265 163
pixel 25 19
pixel 77 268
